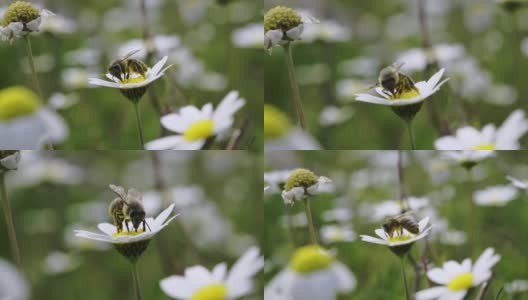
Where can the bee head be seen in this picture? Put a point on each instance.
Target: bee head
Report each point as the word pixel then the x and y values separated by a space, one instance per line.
pixel 388 78
pixel 116 70
pixel 136 213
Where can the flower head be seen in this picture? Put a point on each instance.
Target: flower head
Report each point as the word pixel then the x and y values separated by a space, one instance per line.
pixel 302 183
pixel 198 283
pixel 195 126
pixel 312 274
pixel 457 278
pixel 135 84
pixel 406 100
pixel 282 25
pixel 9 160
pixel 498 195
pixel 490 138
pixel 130 244
pixel 25 123
pixel 399 241
pixel 21 18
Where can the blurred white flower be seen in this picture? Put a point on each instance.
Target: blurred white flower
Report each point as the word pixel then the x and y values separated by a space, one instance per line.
pixel 467 158
pixel 516 286
pixel 506 137
pixel 9 160
pixel 456 279
pixel 416 59
pixel 276 179
pixel 77 78
pixel 199 283
pixel 520 184
pixel 88 57
pixel 327 31
pixel 195 126
pixel 333 115
pixel 312 274
pixel 337 214
pixel 59 101
pixel 160 44
pixel 13 285
pixel 25 123
pixel 57 262
pixel 293 139
pixel 249 36
pixel 337 233
pixel 347 89
pixel 498 195
pixel 58 24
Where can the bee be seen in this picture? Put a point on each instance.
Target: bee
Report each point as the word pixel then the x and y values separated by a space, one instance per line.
pixel 125 66
pixel 395 82
pixel 127 208
pixel 400 222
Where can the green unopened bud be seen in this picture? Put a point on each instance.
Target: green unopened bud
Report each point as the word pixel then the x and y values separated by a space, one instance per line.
pixel 281 17
pixel 300 178
pixel 401 250
pixel 407 112
pixel 20 11
pixel 134 94
pixel 132 251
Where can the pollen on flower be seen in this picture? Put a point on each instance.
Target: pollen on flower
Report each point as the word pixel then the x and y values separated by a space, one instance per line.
pixel 399 238
pixel 409 94
pixel 20 11
pixel 137 79
pixel 127 233
pixel 485 147
pixel 16 102
pixel 281 17
pixel 199 130
pixel 276 123
pixel 461 282
pixel 309 259
pixel 300 178
pixel 211 292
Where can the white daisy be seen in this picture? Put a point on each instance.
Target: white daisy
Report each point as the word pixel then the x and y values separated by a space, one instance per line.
pixel 276 179
pixel 21 18
pixel 337 233
pixel 136 80
pixel 111 235
pixel 506 137
pixel 9 160
pixel 425 89
pixel 498 195
pixel 198 283
pixel 312 274
pixel 195 126
pixel 13 285
pixel 520 184
pixel 249 36
pixel 516 286
pixel 456 278
pixel 399 238
pixel 25 123
pixel 301 184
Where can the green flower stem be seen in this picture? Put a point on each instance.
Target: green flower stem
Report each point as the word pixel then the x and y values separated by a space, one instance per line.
pixel 139 124
pixel 10 224
pixel 472 220
pixel 135 277
pixel 32 65
pixel 296 95
pixel 404 277
pixel 311 228
pixel 411 134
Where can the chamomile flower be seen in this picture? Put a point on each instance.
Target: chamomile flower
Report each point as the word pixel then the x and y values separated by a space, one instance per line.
pixel 283 25
pixel 134 86
pixel 21 18
pixel 506 137
pixel 400 241
pixel 198 283
pixel 337 233
pixel 301 184
pixel 312 274
pixel 130 244
pixel 457 278
pixel 498 195
pixel 424 89
pixel 9 160
pixel 195 126
pixel 25 123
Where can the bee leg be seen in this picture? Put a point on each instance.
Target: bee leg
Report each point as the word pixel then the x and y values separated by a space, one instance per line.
pixel 145 224
pixel 126 224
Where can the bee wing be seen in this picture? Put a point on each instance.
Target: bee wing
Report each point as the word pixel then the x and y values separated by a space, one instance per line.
pixel 130 54
pixel 398 65
pixel 133 193
pixel 119 190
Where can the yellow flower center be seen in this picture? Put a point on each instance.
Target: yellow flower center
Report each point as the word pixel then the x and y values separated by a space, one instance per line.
pixel 137 79
pixel 16 102
pixel 300 177
pixel 409 94
pixel 461 282
pixel 281 17
pixel 310 259
pixel 20 11
pixel 485 147
pixel 127 233
pixel 276 123
pixel 399 238
pixel 199 130
pixel 215 291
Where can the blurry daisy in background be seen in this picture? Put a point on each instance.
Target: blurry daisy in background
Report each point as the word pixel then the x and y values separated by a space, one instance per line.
pixel 467 158
pixel 198 283
pixel 457 278
pixel 520 184
pixel 337 233
pixel 195 126
pixel 25 123
pixel 333 115
pixel 506 137
pixel 498 195
pixel 13 285
pixel 249 36
pixel 312 274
